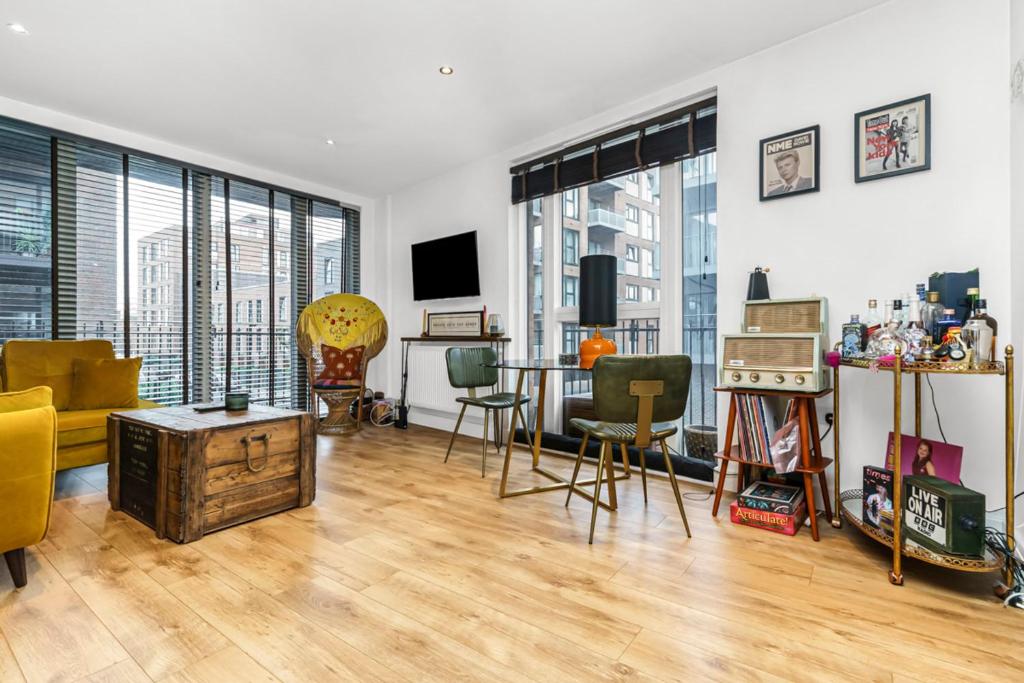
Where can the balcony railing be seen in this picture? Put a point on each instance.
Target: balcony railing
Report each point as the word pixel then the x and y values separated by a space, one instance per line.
pixel 603 218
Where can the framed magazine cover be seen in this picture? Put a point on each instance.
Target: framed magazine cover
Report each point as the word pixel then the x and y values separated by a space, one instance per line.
pixel 789 164
pixel 893 139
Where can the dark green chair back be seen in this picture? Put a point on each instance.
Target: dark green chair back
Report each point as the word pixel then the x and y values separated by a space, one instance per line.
pixel 612 375
pixel 465 367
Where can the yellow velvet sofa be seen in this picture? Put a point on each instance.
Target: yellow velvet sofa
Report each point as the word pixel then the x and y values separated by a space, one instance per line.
pixel 81 434
pixel 28 464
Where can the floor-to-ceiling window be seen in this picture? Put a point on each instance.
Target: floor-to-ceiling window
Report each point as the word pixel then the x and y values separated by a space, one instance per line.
pixel 25 255
pixel 201 275
pixel 644 194
pixel 700 283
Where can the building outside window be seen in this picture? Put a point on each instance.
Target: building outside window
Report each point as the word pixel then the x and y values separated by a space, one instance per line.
pixel 632 293
pixel 328 271
pixel 632 220
pixel 570 288
pixel 646 263
pixel 236 258
pixel 571 246
pixel 571 204
pixel 648 226
pixel 632 259
pixel 632 185
pixel 259 310
pixel 282 308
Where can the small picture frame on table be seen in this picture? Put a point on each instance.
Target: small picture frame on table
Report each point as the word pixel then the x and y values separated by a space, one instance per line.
pixel 790 164
pixel 455 324
pixel 893 139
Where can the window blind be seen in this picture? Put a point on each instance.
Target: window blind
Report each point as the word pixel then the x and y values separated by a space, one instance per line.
pixel 680 134
pixel 200 273
pixel 155 272
pixel 25 233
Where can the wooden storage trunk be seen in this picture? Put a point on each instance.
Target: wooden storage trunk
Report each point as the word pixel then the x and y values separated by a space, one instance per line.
pixel 184 473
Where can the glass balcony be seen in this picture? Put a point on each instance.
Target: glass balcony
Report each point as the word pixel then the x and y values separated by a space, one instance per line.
pixel 608 220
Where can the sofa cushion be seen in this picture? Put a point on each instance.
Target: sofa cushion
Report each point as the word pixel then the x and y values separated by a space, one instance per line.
pixel 77 427
pixel 36 397
pixel 31 363
pixel 105 383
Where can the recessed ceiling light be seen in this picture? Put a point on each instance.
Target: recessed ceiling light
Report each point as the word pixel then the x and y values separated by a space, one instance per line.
pixel 446 70
pixel 330 142
pixel 18 28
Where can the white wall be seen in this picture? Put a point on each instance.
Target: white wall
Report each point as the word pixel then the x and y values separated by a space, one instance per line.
pixel 1017 231
pixel 849 242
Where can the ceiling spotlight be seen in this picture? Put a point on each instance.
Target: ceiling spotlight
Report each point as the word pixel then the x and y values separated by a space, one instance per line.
pixel 18 28
pixel 446 70
pixel 330 142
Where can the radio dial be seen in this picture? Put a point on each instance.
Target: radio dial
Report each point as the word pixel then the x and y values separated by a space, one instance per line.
pixel 779 379
pixel 736 377
pixel 799 379
pixel 754 377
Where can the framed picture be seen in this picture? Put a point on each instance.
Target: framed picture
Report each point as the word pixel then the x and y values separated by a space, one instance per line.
pixel 789 164
pixel 459 324
pixel 893 140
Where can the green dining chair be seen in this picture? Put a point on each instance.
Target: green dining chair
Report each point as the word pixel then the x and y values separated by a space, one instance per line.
pixel 472 368
pixel 637 400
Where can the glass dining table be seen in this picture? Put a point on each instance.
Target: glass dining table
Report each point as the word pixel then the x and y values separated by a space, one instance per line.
pixel 543 367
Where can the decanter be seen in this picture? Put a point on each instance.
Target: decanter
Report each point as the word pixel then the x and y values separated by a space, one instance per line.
pixel 886 338
pixel 915 334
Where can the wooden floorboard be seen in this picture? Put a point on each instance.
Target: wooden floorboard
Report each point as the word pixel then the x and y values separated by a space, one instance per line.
pixel 407 569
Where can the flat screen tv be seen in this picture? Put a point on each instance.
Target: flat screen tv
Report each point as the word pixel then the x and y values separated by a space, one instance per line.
pixel 445 268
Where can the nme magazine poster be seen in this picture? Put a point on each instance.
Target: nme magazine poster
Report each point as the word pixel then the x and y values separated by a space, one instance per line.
pixel 789 164
pixel 893 139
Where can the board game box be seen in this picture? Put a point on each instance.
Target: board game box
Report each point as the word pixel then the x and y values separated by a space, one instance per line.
pixel 764 495
pixel 772 521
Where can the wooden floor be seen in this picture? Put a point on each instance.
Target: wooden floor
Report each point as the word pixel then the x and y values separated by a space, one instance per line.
pixel 408 569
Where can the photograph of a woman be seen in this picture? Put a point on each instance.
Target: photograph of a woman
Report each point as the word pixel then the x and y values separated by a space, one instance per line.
pixel 923 459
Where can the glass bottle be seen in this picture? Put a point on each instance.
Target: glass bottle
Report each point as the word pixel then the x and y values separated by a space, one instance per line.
pixel 981 308
pixel 915 334
pixel 930 313
pixel 887 337
pixel 854 337
pixel 899 315
pixel 943 324
pixel 872 320
pixel 921 292
pixel 973 294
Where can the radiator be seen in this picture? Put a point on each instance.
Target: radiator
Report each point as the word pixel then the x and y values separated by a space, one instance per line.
pixel 428 379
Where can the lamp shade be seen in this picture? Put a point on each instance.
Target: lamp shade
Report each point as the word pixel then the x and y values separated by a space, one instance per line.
pixel 598 279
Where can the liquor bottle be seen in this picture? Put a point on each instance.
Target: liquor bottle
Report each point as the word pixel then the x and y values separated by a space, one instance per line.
pixel 872 320
pixel 981 312
pixel 943 324
pixel 973 294
pixel 930 314
pixel 915 334
pixel 899 315
pixel 887 337
pixel 921 292
pixel 854 337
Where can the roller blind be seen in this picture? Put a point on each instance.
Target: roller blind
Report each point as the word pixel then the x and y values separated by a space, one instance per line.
pixel 25 233
pixel 680 134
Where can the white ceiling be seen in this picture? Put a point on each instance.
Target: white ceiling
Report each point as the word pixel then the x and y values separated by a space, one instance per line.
pixel 265 82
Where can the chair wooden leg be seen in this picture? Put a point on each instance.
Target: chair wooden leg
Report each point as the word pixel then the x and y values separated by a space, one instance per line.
pixel 597 488
pixel 576 469
pixel 483 463
pixel 16 564
pixel 458 423
pixel 624 449
pixel 643 471
pixel 675 487
pixel 494 428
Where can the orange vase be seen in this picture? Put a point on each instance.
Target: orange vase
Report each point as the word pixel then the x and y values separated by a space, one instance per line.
pixel 596 346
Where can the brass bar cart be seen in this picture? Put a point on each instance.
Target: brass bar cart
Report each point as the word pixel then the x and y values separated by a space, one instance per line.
pixel 848 502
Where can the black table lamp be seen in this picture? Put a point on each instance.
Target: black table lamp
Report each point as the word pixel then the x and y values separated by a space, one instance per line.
pixel 598 298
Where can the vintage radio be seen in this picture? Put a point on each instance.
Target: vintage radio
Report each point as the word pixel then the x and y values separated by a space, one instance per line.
pixel 943 516
pixel 772 316
pixel 783 361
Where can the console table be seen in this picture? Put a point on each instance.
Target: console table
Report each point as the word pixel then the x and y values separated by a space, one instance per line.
pixel 498 343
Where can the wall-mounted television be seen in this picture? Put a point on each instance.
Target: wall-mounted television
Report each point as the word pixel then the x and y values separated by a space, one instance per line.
pixel 445 268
